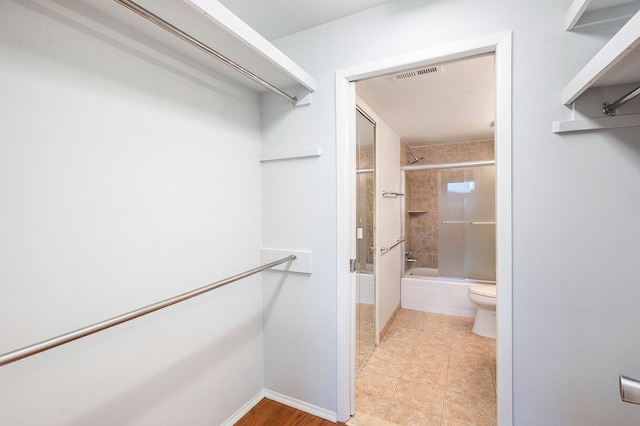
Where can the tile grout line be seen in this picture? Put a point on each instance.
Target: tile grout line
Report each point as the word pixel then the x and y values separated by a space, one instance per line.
pixel 404 365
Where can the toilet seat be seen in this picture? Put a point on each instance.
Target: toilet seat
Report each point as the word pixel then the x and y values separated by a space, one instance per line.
pixel 487 290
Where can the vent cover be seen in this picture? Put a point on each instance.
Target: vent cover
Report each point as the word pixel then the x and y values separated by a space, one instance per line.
pixel 416 73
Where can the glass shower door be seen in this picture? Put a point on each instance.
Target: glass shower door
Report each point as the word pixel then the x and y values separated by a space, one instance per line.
pixel 466 223
pixel 480 214
pixel 451 222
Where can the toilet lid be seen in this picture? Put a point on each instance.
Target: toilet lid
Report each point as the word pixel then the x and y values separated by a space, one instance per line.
pixel 488 290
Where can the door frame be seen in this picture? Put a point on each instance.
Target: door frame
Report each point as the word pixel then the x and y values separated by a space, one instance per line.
pixel 499 44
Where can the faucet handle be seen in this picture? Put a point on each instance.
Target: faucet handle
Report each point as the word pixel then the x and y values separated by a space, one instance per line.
pixel 408 252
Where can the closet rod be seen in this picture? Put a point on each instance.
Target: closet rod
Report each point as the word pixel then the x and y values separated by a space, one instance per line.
pixel 36 348
pixel 610 109
pixel 155 19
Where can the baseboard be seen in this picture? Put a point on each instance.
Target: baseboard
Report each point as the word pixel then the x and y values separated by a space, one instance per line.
pixel 283 399
pixel 301 405
pixel 244 409
pixel 386 327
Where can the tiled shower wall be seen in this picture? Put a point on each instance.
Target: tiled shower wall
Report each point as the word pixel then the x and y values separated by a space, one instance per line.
pixel 421 192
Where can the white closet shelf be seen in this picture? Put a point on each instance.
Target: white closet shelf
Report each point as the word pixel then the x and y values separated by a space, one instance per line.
pixel 204 20
pixel 618 62
pixel 583 13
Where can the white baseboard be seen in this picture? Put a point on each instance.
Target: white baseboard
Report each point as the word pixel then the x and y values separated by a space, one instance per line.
pixel 301 405
pixel 283 399
pixel 244 409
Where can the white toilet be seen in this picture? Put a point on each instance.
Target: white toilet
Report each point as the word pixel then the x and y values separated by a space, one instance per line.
pixel 484 297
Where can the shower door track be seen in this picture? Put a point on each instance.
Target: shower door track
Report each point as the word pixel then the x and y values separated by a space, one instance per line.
pixel 450 165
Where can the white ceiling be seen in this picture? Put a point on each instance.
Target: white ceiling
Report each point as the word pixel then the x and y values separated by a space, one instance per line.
pixel 453 104
pixel 276 18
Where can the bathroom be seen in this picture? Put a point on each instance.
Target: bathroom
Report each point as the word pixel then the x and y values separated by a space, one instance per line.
pixel 444 197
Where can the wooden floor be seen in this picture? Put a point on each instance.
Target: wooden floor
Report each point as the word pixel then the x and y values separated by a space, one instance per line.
pixel 271 413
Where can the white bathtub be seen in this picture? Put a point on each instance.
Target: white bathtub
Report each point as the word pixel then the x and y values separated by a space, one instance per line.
pixel 364 288
pixel 423 290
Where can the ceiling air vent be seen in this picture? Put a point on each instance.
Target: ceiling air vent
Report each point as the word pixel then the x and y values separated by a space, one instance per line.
pixel 427 70
pixel 404 75
pixel 416 73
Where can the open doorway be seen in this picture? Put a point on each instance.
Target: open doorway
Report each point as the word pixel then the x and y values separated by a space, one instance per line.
pixel 499 46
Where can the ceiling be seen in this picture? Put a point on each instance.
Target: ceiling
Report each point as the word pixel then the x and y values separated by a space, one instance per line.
pixel 277 18
pixel 445 103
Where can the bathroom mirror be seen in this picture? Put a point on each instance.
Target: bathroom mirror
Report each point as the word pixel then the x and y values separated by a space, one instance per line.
pixel 365 279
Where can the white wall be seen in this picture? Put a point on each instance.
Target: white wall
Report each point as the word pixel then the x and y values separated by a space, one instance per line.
pixel 122 184
pixel 574 207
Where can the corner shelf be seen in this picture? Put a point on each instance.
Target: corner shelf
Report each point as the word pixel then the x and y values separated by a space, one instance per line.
pixel 206 21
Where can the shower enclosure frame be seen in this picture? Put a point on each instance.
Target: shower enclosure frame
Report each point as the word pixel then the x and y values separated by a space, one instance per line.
pixel 459 165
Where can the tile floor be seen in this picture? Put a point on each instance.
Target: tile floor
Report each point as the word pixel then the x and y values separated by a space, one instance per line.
pixel 430 369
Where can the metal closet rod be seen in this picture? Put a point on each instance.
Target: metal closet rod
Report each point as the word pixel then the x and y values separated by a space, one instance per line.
pixel 610 109
pixel 36 348
pixel 151 17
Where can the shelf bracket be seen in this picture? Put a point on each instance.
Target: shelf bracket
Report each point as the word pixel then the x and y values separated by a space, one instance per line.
pixel 610 109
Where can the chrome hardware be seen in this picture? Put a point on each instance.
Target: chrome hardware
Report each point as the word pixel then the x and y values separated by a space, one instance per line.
pixel 412 260
pixel 155 19
pixel 610 109
pixel 399 241
pixel 629 389
pixel 389 194
pixel 30 350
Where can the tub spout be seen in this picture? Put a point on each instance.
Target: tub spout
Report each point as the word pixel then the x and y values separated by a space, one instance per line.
pixel 412 260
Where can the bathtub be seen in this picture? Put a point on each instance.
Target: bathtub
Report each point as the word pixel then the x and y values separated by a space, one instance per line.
pixel 364 288
pixel 423 290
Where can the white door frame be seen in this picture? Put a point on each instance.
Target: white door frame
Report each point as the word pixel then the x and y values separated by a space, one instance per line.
pixel 500 44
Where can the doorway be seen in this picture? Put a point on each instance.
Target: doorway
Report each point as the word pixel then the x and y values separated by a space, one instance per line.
pixel 500 45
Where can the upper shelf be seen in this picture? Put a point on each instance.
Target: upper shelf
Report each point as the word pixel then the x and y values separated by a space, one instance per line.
pixel 206 21
pixel 618 62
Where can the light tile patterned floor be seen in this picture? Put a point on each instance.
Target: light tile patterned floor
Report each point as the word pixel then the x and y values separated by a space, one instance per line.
pixel 430 369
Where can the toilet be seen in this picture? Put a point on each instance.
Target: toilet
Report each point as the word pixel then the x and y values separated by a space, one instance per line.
pixel 484 297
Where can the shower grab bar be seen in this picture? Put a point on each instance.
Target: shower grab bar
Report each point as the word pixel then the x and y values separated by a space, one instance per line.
pixel 384 250
pixel 155 19
pixel 389 194
pixel 483 223
pixel 36 348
